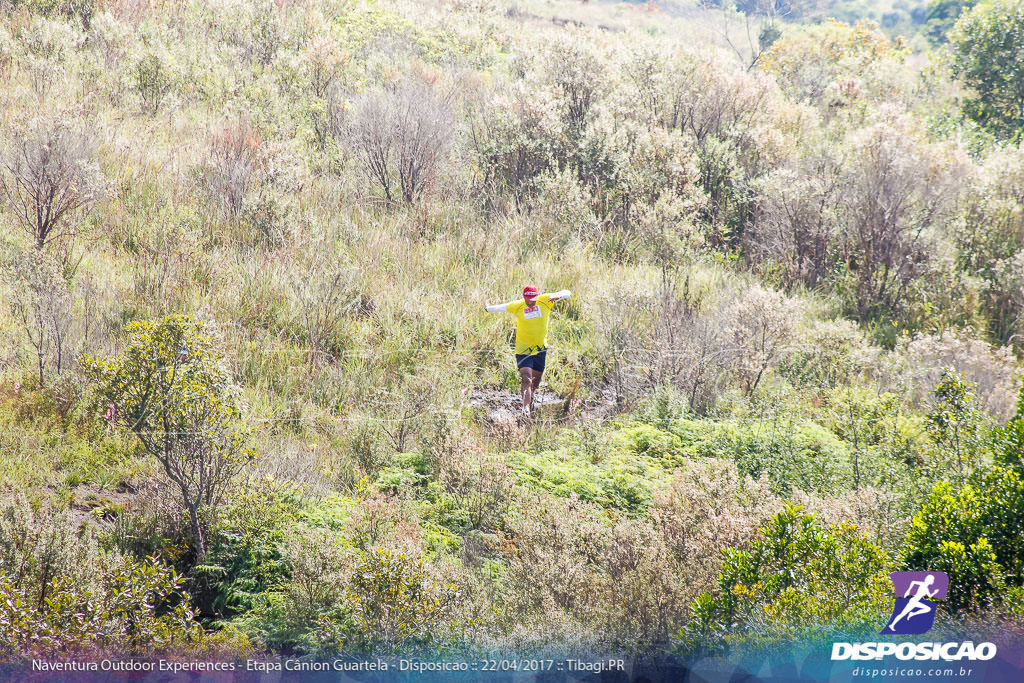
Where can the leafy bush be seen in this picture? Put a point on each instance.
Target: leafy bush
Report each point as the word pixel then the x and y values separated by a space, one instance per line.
pixel 152 81
pixel 956 424
pixel 798 580
pixel 170 388
pixel 984 44
pixel 61 595
pixel 395 605
pixel 247 546
pixel 973 534
pixel 402 134
pixel 1009 440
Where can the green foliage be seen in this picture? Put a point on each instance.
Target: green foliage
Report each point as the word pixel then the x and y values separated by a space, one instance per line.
pixel 986 44
pixel 798 580
pixel 152 82
pixel 62 595
pixel 955 423
pixel 395 605
pixel 942 16
pixel 171 389
pixel 124 618
pixel 1009 440
pixel 975 534
pixel 798 454
pixel 408 472
pixel 246 546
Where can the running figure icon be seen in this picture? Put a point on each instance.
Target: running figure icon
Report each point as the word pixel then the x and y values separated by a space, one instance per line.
pixel 915 606
pixel 916 593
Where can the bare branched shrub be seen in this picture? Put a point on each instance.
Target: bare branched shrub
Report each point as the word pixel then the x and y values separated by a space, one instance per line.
pixel 707 506
pixel 40 300
pixel 579 75
pixel 233 163
pixel 402 134
pixel 760 327
pixel 918 365
pixel 384 520
pixel 325 289
pixel 50 179
pixel 320 569
pixel 897 189
pixel 40 545
pixel 480 485
pixel 516 137
pixel 876 512
pixel 678 337
pixel 323 61
pixel 795 221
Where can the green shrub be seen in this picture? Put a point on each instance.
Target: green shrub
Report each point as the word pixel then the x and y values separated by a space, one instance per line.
pixel 388 604
pixel 618 480
pixel 170 388
pixel 1009 440
pixel 956 424
pixel 152 81
pixel 246 545
pixel 974 534
pixel 61 594
pixel 799 580
pixel 792 453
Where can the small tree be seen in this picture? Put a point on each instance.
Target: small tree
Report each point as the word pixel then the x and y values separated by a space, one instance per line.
pixel 1009 442
pixel 401 133
pixel 798 578
pixel 152 82
pixel 49 179
pixel 955 421
pixel 171 389
pixel 761 326
pixel 40 300
pixel 972 532
pixel 988 54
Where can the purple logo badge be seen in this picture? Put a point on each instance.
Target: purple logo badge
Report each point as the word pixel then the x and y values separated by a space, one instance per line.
pixel 916 593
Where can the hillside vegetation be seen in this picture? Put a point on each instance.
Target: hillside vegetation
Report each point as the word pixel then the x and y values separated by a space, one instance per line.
pixel 250 400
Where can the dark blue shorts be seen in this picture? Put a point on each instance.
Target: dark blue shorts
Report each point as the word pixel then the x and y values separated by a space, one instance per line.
pixel 534 361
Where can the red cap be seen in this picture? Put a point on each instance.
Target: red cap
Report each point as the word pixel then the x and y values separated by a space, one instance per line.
pixel 530 292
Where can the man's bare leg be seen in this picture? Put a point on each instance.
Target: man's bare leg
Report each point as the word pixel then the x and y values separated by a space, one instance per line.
pixel 533 391
pixel 526 390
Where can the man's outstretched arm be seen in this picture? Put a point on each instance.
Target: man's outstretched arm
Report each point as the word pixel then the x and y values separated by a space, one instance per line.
pixel 560 294
pixel 496 308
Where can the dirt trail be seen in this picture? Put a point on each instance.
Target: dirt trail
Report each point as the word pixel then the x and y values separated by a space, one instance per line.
pixel 502 407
